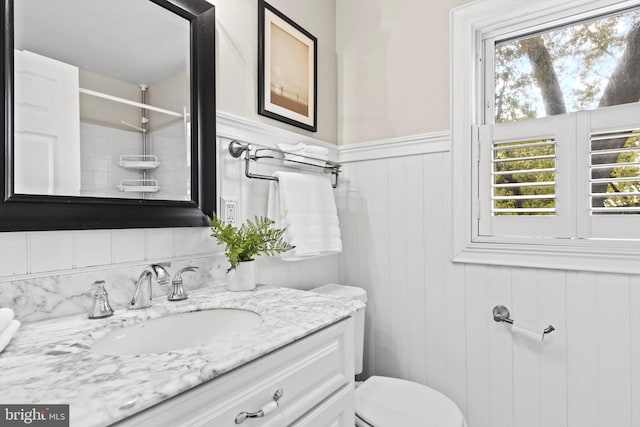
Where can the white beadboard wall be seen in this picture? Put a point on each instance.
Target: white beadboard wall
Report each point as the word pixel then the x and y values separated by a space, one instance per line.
pixel 430 321
pixel 25 255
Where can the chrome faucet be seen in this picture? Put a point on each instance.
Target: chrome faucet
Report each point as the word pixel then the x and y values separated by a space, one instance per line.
pixel 142 295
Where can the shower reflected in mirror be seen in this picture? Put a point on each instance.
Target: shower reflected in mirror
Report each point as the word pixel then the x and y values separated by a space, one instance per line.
pixel 102 100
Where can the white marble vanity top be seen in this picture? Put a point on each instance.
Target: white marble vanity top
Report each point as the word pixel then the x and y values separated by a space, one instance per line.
pixel 51 362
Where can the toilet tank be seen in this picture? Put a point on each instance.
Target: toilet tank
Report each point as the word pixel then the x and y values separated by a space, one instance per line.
pixel 358 317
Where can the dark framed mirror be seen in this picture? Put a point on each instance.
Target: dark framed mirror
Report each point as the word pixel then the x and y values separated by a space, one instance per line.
pixel 120 160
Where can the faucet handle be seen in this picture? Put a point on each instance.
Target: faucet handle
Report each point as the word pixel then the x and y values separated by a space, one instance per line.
pixel 178 293
pixel 178 275
pixel 101 307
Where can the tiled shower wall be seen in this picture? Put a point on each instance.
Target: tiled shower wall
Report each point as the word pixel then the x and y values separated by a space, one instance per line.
pixel 100 150
pixel 102 146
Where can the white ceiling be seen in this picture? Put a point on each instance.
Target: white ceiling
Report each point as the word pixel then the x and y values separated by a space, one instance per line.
pixel 135 41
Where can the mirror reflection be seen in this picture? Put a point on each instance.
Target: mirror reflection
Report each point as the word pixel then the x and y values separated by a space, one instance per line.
pixel 102 100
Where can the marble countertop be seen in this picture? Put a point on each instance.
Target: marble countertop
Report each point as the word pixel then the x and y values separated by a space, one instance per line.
pixel 51 361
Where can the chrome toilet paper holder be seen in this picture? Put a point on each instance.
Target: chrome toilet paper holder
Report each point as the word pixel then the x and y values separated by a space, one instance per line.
pixel 502 314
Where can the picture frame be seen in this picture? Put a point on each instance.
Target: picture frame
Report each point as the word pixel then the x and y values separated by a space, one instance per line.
pixel 287 70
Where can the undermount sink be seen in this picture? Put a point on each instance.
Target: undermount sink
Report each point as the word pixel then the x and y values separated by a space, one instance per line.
pixel 177 331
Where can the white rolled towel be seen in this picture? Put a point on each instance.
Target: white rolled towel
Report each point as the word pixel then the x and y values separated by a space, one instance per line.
pixel 8 333
pixel 293 148
pixel 316 151
pixel 6 316
pixel 293 152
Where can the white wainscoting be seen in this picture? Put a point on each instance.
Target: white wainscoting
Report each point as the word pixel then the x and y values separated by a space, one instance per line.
pixel 430 321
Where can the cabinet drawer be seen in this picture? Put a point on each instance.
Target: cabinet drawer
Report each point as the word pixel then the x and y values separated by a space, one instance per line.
pixel 307 371
pixel 336 411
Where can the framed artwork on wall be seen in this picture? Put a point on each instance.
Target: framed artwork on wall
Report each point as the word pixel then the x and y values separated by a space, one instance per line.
pixel 287 69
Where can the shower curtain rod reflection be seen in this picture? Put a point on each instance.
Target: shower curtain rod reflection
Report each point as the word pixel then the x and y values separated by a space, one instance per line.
pixel 128 102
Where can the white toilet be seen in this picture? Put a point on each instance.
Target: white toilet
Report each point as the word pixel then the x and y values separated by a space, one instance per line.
pixel 392 402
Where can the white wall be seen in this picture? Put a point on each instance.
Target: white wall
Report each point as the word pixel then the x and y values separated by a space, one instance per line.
pixel 393 67
pixel 430 320
pixel 237 60
pixel 102 111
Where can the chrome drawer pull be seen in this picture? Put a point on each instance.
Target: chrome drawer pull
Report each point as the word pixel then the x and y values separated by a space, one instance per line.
pixel 265 410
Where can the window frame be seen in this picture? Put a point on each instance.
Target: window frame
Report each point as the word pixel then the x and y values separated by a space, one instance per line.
pixel 470 25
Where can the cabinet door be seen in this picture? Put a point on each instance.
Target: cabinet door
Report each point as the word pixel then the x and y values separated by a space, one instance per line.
pixel 335 411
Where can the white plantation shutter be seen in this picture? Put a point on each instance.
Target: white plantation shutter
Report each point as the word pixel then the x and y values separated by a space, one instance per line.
pixel 609 144
pixel 518 170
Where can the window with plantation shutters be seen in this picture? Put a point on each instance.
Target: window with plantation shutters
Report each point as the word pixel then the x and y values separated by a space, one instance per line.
pixel 546 134
pixel 560 150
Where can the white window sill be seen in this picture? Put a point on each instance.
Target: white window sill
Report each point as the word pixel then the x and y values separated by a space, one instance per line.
pixel 570 254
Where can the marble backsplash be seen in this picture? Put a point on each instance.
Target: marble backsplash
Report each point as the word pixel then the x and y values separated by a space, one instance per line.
pixel 41 298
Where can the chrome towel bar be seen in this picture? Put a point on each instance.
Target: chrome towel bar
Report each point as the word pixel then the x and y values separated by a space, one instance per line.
pixel 237 148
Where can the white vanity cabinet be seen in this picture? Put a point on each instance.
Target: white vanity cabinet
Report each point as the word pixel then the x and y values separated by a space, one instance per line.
pixel 314 373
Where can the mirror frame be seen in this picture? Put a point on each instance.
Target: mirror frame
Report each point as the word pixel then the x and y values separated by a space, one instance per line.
pixel 23 212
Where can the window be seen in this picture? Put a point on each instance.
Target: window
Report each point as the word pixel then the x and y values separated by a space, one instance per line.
pixel 578 66
pixel 554 152
pixel 562 72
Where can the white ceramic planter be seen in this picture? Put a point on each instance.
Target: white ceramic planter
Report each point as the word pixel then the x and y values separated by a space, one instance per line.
pixel 243 278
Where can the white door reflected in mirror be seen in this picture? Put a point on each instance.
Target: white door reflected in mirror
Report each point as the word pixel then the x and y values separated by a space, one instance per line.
pixel 47 129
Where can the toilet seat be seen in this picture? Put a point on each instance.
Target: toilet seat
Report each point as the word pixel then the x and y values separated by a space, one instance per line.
pixel 391 402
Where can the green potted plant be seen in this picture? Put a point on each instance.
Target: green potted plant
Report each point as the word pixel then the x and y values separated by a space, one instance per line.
pixel 242 244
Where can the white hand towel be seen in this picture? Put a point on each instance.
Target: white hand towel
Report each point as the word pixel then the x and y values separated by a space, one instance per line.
pixel 306 194
pixel 6 316
pixel 305 205
pixel 273 204
pixel 7 334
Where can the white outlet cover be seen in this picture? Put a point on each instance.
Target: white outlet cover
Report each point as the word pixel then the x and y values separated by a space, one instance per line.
pixel 229 210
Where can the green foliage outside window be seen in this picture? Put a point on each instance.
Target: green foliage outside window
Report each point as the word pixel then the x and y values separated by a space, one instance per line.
pixel 535 176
